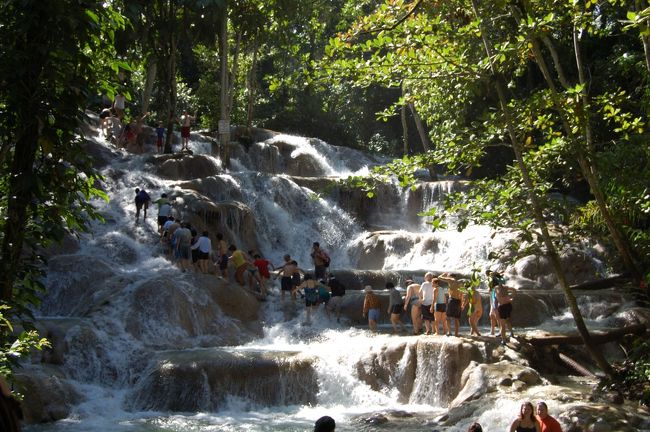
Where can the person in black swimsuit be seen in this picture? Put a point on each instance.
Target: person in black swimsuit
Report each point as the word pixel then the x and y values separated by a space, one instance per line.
pixel 526 421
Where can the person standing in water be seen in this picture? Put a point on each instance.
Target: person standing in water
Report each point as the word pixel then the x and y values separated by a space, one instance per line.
pixel 440 298
pixel 371 307
pixel 395 307
pixel 413 301
pixel 494 279
pixel 186 122
pixel 310 290
pixel 504 297
pixel 142 200
pixel 454 304
pixel 426 294
pixel 472 301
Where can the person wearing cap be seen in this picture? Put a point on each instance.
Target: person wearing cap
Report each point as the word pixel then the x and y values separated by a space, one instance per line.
pixel 395 307
pixel 371 307
pixel 325 424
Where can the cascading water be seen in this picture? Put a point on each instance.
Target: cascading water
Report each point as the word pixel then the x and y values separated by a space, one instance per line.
pixel 148 348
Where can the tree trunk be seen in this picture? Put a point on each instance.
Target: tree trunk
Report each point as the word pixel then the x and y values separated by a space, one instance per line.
pixel 587 168
pixel 224 120
pixel 589 171
pixel 21 186
pixel 645 32
pixel 597 338
pixel 424 137
pixel 537 211
pixel 232 76
pixel 168 59
pixel 405 131
pixel 152 70
pixel 251 83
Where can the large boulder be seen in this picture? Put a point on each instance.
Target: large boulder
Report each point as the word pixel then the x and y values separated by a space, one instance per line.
pixel 177 312
pixel 48 395
pixel 181 166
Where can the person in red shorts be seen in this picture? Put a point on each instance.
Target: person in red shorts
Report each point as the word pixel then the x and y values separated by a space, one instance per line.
pixel 186 122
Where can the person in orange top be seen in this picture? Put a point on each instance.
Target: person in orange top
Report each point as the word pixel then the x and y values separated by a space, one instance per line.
pixel 371 307
pixel 546 422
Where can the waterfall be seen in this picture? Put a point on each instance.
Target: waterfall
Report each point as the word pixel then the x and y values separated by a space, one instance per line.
pixel 140 346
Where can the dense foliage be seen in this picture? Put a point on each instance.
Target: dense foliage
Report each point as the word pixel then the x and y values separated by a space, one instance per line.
pixel 49 74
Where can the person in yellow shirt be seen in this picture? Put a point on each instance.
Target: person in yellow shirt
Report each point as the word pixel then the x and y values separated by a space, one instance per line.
pixel 238 258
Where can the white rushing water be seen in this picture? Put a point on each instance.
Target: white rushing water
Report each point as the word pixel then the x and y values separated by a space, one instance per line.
pixel 288 218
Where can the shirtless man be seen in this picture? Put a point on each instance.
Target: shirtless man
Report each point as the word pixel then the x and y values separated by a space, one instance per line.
pixel 186 122
pixel 504 297
pixel 455 302
pixel 290 273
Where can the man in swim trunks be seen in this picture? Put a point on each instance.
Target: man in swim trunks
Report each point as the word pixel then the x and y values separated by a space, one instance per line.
pixel 186 122
pixel 426 294
pixel 454 304
pixel 504 297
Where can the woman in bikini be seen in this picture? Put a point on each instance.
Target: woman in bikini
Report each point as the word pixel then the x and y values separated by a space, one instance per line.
pixel 413 301
pixel 526 421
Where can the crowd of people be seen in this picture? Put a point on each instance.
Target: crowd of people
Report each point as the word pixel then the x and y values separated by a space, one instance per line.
pixel 128 132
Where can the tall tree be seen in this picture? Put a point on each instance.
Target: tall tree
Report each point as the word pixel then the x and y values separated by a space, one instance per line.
pixel 47 181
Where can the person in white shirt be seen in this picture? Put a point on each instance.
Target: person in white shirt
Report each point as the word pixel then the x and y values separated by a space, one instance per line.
pixel 204 246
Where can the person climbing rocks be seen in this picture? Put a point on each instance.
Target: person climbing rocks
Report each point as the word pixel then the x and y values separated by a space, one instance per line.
pixel 310 290
pixel 164 211
pixel 142 200
pixel 204 247
pixel 321 261
pixel 371 307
